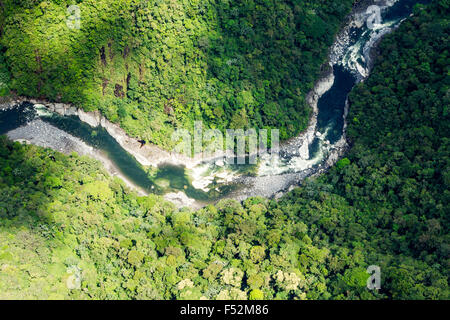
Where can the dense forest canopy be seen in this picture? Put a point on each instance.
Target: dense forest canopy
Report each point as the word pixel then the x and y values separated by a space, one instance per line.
pixel 153 66
pixel 62 218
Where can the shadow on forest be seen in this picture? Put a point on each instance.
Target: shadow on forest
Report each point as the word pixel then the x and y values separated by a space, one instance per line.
pixel 23 195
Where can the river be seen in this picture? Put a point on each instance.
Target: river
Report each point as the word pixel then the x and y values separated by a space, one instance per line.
pixel 312 152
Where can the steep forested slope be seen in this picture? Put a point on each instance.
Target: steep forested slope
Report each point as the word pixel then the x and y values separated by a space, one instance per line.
pixel 386 204
pixel 153 66
pixel 395 181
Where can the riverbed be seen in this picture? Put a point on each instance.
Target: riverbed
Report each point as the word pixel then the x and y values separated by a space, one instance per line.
pixel 195 182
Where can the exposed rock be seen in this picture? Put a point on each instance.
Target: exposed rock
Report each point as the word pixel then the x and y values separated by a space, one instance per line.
pixel 180 199
pixel 71 111
pixel 91 118
pixel 59 108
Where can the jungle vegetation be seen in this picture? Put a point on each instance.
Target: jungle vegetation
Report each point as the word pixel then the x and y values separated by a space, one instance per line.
pixel 63 218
